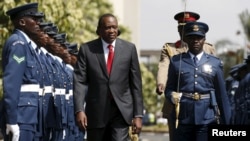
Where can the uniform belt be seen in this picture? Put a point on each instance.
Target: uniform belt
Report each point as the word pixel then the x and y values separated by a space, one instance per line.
pixel 71 92
pixel 196 96
pixel 41 92
pixel 45 89
pixel 59 91
pixel 30 88
pixel 48 89
pixel 67 96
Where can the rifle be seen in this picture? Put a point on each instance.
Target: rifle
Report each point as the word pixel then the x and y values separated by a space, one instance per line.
pixel 215 107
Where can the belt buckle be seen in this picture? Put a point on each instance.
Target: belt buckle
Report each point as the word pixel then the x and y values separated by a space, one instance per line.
pixel 196 96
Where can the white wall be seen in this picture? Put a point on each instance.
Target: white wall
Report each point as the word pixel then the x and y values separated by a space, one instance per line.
pixel 128 12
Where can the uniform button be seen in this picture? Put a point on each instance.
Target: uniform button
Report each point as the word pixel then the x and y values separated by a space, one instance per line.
pixel 195 75
pixel 196 68
pixel 195 83
pixel 29 103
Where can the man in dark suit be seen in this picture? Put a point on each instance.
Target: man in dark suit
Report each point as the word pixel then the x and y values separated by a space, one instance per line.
pixel 193 84
pixel 113 100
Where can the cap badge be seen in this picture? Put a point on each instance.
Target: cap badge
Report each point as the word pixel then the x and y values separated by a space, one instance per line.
pixel 196 28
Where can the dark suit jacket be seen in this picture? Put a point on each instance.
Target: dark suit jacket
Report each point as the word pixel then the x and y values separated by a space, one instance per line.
pixel 92 83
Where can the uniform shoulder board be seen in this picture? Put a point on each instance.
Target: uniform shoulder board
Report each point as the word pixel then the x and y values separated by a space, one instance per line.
pixel 167 47
pixel 221 63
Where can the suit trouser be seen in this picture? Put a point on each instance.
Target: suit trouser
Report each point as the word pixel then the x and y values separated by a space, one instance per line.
pixel 116 128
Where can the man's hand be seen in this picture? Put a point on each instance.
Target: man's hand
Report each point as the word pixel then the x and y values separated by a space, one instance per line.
pixel 160 89
pixel 13 129
pixel 81 120
pixel 136 125
pixel 175 97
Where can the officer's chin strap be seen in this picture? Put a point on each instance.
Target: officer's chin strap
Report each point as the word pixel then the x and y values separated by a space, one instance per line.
pixel 177 105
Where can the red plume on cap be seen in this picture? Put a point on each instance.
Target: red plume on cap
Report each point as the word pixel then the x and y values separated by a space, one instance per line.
pixel 186 16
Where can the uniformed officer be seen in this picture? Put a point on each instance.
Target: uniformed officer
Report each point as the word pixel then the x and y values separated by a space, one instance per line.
pixel 197 88
pixel 169 50
pixel 57 120
pixel 232 85
pixel 73 50
pixel 46 110
pixel 73 130
pixel 242 96
pixel 21 74
pixel 63 101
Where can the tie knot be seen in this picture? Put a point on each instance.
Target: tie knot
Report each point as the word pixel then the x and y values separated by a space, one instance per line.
pixel 110 46
pixel 195 60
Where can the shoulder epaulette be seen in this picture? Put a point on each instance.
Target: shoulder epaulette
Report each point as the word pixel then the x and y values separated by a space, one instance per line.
pixel 167 47
pixel 170 44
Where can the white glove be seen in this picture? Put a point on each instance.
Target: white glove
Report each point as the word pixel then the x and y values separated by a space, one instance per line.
pixel 64 134
pixel 14 129
pixel 175 97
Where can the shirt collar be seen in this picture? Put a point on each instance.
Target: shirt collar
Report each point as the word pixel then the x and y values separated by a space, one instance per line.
pixel 44 50
pixel 105 44
pixel 32 43
pixel 198 55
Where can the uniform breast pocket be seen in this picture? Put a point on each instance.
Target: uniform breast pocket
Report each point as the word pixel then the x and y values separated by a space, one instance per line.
pixel 28 110
pixel 184 74
pixel 32 69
